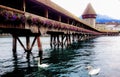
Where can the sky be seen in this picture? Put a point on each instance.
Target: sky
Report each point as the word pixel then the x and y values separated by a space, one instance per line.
pixel 110 8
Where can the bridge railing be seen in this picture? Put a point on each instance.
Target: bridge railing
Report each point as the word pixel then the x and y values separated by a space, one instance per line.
pixel 11 18
pixel 46 24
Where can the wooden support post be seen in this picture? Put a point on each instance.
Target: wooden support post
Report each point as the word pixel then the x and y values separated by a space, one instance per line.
pixel 46 13
pixel 24 6
pixel 81 37
pixel 73 38
pixel 14 44
pixel 66 40
pixel 28 49
pixel 78 37
pixel 58 41
pixel 28 42
pixel 51 41
pixel 69 39
pixel 33 42
pixel 59 18
pixel 84 37
pixel 21 43
pixel 14 47
pixel 54 40
pixel 40 49
pixel 68 21
pixel 88 37
pixel 62 38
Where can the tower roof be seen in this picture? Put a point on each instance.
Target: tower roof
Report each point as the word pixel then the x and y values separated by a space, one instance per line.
pixel 89 10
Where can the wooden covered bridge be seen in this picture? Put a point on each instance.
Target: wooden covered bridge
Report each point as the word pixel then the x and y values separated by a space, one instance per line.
pixel 26 18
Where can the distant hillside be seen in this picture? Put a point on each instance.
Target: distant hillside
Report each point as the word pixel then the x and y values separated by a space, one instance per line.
pixel 105 18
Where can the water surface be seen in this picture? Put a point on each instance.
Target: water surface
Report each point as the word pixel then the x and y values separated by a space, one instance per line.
pixel 102 52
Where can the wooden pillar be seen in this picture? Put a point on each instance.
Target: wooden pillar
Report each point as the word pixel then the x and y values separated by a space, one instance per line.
pixel 88 37
pixel 24 6
pixel 28 50
pixel 40 49
pixel 68 21
pixel 62 38
pixel 14 47
pixel 59 18
pixel 58 41
pixel 28 42
pixel 78 38
pixel 51 41
pixel 84 36
pixel 67 40
pixel 69 37
pixel 14 44
pixel 46 13
pixel 54 40
pixel 73 38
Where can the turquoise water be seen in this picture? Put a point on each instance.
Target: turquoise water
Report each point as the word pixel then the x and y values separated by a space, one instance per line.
pixel 102 52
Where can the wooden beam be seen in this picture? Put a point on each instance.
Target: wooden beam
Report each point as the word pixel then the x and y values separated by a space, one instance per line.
pixel 24 6
pixel 21 43
pixel 46 13
pixel 40 49
pixel 28 42
pixel 59 18
pixel 14 44
pixel 33 42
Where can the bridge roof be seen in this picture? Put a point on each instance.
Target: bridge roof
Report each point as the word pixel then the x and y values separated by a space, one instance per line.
pixel 61 10
pixel 35 7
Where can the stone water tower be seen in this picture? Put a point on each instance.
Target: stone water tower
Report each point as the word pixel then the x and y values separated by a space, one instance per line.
pixel 89 15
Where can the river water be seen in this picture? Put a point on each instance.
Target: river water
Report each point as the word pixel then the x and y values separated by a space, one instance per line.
pixel 102 52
